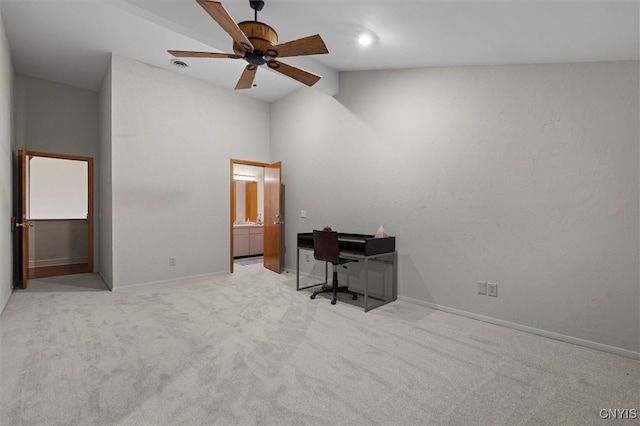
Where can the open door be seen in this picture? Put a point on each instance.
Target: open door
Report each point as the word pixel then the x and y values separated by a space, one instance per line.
pixel 273 217
pixel 24 223
pixel 26 212
pixel 60 207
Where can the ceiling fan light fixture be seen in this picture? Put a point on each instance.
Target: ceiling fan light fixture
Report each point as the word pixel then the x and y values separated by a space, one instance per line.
pixel 272 53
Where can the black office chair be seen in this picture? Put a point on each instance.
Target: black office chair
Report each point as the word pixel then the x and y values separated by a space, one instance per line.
pixel 326 248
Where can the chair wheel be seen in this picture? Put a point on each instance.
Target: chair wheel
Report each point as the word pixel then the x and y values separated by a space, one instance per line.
pixel 333 301
pixel 355 297
pixel 313 296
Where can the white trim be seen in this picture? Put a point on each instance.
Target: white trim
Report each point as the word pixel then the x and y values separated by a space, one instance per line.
pixel 36 263
pixel 176 280
pixel 544 333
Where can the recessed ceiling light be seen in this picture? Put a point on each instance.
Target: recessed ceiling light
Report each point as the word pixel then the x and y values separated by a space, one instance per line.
pixel 180 64
pixel 365 38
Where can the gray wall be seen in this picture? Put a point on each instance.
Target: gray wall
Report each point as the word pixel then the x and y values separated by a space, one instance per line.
pixel 172 138
pixel 60 119
pixel 105 214
pixel 7 150
pixel 525 176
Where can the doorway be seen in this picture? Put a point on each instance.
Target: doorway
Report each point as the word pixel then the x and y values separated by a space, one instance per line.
pixel 56 215
pixel 248 229
pixel 256 220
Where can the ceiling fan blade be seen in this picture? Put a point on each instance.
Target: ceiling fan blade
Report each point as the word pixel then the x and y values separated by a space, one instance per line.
pixel 312 45
pixel 222 17
pixel 190 54
pixel 246 79
pixel 299 74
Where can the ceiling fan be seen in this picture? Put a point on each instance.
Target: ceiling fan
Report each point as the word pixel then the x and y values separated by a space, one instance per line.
pixel 257 43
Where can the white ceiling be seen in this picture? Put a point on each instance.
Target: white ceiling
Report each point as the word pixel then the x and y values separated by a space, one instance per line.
pixel 70 41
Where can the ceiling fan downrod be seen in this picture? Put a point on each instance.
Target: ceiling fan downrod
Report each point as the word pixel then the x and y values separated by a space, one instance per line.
pixel 257 6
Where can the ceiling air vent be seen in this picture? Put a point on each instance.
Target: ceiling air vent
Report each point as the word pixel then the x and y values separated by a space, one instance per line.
pixel 180 64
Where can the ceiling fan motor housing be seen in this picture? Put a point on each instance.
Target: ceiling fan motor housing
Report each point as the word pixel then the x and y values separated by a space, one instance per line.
pixel 261 36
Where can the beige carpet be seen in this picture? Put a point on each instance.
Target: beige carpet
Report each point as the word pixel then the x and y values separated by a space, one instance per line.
pixel 248 349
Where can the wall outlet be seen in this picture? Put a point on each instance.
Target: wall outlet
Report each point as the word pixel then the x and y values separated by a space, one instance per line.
pixel 482 287
pixel 303 213
pixel 307 257
pixel 172 261
pixel 492 289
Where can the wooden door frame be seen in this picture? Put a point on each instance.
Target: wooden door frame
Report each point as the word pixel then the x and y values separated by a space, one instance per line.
pixel 22 252
pixel 232 206
pixel 90 221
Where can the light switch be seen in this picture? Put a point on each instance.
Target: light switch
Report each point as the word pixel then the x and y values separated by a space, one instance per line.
pixel 492 289
pixel 303 213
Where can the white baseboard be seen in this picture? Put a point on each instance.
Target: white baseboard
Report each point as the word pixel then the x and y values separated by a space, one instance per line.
pixel 179 279
pixel 544 333
pixel 319 278
pixel 56 262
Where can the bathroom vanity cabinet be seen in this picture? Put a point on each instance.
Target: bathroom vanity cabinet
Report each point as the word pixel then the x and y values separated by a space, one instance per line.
pixel 248 240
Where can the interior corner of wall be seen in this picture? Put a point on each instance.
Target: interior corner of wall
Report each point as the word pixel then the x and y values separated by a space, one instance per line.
pixel 5 300
pixel 106 280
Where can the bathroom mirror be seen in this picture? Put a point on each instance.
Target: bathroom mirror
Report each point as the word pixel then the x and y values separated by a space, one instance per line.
pixel 249 191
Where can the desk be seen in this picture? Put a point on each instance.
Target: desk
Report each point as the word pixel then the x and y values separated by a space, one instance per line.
pixel 361 247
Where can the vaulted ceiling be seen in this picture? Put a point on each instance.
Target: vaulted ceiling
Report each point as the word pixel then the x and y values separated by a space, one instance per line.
pixel 70 41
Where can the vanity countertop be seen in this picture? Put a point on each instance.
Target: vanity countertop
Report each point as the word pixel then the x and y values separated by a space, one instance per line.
pixel 247 225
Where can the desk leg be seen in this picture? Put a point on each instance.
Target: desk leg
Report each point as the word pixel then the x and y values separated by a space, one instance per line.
pixel 394 280
pixel 366 284
pixel 395 275
pixel 326 274
pixel 298 269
